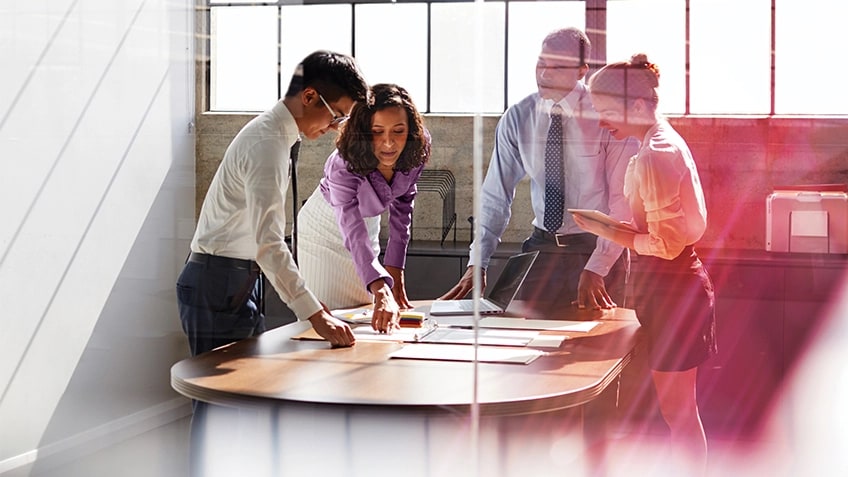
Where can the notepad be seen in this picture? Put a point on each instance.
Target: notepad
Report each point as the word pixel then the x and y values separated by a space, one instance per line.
pixel 355 316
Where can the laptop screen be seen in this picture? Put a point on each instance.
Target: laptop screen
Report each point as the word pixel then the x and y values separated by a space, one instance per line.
pixel 511 278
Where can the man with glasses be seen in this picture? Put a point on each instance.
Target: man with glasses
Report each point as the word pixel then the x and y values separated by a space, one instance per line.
pixel 241 227
pixel 553 137
pixel 338 119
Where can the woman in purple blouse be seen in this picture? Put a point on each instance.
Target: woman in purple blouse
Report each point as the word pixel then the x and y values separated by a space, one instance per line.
pixel 379 156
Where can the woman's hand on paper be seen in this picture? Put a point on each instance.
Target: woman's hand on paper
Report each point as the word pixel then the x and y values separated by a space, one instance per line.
pixel 386 316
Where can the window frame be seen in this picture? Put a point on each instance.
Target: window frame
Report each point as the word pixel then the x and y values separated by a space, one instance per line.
pixel 595 27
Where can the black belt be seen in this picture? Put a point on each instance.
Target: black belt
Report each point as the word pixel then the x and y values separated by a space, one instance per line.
pixel 224 262
pixel 562 240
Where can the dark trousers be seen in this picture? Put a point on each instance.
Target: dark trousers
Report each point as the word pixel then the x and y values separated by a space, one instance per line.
pixel 552 282
pixel 220 302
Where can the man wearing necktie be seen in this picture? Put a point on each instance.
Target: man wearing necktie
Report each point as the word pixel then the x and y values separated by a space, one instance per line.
pixel 241 226
pixel 553 137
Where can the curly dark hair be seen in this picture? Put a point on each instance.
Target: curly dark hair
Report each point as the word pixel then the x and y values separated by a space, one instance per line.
pixel 355 140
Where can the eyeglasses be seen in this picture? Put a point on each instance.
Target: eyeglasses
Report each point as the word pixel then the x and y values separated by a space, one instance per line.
pixel 337 120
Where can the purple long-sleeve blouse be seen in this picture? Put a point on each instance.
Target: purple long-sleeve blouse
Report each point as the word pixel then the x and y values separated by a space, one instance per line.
pixel 354 197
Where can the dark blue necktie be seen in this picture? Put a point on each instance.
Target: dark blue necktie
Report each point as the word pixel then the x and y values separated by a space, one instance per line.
pixel 553 173
pixel 295 150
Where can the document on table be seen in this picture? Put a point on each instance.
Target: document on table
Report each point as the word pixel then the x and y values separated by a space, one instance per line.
pixel 493 337
pixel 407 335
pixel 431 333
pixel 354 315
pixel 496 322
pixel 450 352
pixel 366 333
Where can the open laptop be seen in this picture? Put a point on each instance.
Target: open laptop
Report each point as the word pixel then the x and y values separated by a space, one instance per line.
pixel 500 295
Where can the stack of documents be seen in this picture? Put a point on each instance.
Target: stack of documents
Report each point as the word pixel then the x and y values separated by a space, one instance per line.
pixel 408 319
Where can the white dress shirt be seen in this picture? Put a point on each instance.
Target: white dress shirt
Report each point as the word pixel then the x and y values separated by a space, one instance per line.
pixel 665 192
pixel 243 215
pixel 594 166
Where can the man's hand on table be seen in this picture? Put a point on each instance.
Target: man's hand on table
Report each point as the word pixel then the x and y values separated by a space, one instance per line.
pixel 592 293
pixel 465 285
pixel 337 332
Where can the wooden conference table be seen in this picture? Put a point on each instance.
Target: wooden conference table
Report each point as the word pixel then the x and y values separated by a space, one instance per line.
pixel 294 397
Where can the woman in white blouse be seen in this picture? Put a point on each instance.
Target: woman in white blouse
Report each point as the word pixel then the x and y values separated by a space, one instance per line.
pixel 674 298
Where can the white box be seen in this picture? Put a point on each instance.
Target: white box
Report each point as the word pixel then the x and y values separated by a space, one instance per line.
pixel 807 221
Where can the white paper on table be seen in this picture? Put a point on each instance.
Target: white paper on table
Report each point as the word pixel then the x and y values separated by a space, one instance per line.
pixel 409 335
pixel 541 325
pixel 354 315
pixel 485 337
pixel 511 323
pixel 450 352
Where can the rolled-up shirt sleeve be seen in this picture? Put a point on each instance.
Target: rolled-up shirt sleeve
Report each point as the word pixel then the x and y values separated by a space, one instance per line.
pixel 660 176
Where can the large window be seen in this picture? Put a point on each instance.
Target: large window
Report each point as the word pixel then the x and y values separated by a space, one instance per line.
pixel 752 57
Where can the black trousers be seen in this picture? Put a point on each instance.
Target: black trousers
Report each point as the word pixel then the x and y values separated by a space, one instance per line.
pixel 219 300
pixel 552 282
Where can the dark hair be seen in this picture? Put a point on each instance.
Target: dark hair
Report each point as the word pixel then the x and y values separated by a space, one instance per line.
pixel 571 41
pixel 628 80
pixel 355 140
pixel 334 75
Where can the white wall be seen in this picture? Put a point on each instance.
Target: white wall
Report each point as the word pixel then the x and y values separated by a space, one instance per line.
pixel 96 210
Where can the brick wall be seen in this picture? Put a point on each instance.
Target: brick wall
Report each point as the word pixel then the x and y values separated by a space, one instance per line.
pixel 739 159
